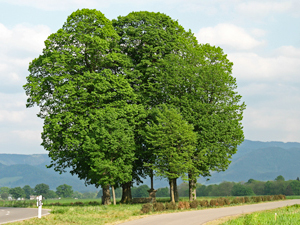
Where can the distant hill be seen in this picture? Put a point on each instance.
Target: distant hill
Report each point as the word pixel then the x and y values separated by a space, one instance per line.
pixel 20 170
pixel 254 159
pixel 261 161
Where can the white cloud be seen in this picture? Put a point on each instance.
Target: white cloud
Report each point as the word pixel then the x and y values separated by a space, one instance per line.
pixel 281 67
pixel 258 32
pixel 11 116
pixel 228 35
pixel 23 37
pixel 19 45
pixel 28 135
pixel 288 51
pixel 58 5
pixel 265 8
pixel 271 123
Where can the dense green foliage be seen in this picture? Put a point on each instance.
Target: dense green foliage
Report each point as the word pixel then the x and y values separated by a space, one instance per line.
pixel 64 191
pixel 17 192
pixel 125 98
pixel 28 191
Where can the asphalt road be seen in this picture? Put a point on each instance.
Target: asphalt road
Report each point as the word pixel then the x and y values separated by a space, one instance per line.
pixel 202 216
pixel 8 215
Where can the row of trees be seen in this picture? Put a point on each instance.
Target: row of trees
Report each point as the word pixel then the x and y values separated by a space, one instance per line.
pixel 252 187
pixel 40 189
pixel 133 97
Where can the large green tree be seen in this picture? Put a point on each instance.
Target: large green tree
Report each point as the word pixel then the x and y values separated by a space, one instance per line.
pixel 148 38
pixel 173 142
pixel 96 82
pixel 200 84
pixel 80 85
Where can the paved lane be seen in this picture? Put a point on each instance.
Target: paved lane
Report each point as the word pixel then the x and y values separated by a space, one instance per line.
pixel 202 216
pixel 15 214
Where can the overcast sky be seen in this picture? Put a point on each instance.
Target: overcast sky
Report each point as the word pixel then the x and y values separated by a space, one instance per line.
pixel 261 38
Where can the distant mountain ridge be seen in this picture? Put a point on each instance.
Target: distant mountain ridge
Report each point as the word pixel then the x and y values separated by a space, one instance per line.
pixel 254 159
pixel 20 170
pixel 261 161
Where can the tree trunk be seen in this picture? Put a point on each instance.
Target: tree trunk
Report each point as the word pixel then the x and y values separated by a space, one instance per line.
pixel 106 195
pixel 151 177
pixel 113 194
pixel 192 188
pixel 176 196
pixel 171 182
pixel 126 193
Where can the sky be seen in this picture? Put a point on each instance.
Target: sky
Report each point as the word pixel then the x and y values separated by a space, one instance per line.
pixel 260 37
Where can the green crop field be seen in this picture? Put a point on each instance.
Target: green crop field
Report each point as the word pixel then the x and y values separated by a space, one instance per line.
pixel 287 215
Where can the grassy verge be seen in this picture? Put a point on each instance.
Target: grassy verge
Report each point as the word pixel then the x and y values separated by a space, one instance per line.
pixel 67 212
pixel 285 215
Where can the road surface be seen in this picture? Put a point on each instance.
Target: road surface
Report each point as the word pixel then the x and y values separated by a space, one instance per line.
pixel 198 217
pixel 8 215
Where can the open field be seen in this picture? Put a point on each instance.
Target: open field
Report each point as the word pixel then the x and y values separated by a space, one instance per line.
pixel 67 211
pixel 285 215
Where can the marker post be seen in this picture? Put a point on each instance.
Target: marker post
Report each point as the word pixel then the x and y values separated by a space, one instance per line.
pixel 39 205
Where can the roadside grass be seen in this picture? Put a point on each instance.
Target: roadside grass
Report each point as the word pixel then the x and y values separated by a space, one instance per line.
pixel 293 197
pixel 285 215
pixel 65 211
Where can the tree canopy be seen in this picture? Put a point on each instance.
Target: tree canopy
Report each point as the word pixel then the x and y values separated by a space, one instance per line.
pixel 64 190
pixel 98 83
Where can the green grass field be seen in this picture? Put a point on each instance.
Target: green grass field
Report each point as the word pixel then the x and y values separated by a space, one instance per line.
pixel 67 212
pixel 289 215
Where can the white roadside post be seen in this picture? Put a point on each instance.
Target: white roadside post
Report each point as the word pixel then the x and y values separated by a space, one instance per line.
pixel 39 205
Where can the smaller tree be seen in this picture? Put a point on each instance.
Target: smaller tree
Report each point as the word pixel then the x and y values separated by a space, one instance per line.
pixel 163 192
pixel 241 190
pixel 28 191
pixel 4 196
pixel 51 194
pixel 4 190
pixel 173 142
pixel 64 191
pixel 79 195
pixel 41 189
pixel 140 192
pixel 17 192
pixel 279 178
pixel 295 187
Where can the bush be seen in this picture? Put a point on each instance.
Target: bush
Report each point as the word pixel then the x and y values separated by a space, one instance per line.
pixel 282 197
pixel 220 201
pixel 247 199
pixel 242 200
pixel 158 206
pixel 183 205
pixel 94 203
pixel 194 204
pixel 257 199
pixel 180 205
pixel 170 206
pixel 213 202
pixel 236 200
pixel 226 201
pixel 146 208
pixel 204 203
pixel 78 203
pixel 269 198
pixel 56 204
